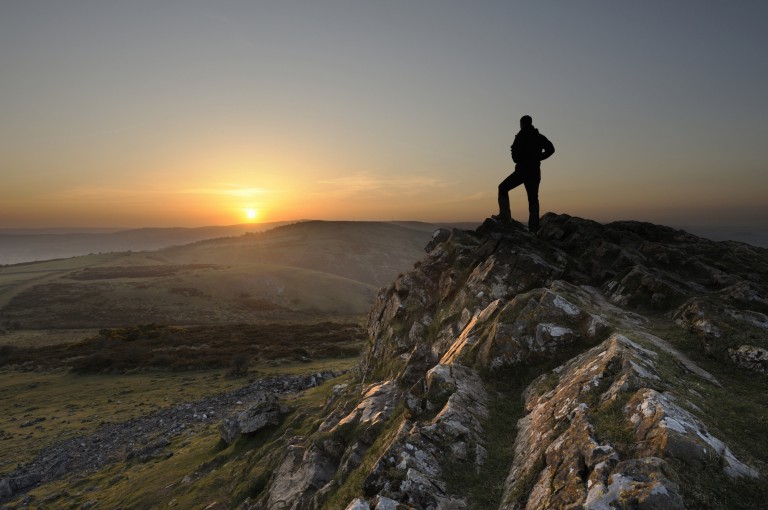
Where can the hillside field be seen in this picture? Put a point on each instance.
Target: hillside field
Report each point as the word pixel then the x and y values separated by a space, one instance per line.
pixel 295 272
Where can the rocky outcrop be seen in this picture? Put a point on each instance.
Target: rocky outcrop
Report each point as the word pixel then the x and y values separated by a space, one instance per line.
pixel 600 437
pixel 410 468
pixel 613 426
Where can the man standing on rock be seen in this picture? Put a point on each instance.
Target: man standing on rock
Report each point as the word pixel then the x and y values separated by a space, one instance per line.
pixel 529 149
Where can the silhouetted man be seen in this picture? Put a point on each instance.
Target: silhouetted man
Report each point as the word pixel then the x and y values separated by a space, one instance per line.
pixel 529 149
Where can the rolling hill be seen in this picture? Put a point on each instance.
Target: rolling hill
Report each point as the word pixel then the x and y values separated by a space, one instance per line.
pixel 29 245
pixel 294 271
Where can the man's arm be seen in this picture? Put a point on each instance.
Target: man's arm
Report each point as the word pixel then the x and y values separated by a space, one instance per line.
pixel 547 148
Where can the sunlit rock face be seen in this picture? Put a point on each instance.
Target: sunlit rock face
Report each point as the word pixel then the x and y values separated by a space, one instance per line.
pixel 590 314
pixel 604 432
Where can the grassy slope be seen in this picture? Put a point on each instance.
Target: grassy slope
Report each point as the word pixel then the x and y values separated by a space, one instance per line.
pixel 201 471
pixel 75 404
pixel 308 268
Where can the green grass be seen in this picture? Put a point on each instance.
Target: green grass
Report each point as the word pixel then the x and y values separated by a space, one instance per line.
pixel 484 489
pixel 611 426
pixel 74 404
pixel 708 488
pixel 736 413
pixel 202 469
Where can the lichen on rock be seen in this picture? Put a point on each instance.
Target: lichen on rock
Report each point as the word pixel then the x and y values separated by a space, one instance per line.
pixel 609 427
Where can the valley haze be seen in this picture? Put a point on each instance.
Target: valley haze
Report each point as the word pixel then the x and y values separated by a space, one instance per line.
pixel 294 271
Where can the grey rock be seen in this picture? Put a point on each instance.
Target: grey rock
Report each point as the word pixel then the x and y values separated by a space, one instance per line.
pixel 640 484
pixel 264 412
pixel 229 429
pixel 578 470
pixel 358 504
pixel 301 473
pixel 750 357
pixel 384 503
pixel 439 236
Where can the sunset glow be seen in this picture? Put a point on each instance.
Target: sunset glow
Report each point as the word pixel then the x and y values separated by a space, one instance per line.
pixel 131 115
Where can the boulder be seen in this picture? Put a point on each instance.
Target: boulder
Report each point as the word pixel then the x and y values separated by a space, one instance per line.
pixel 358 504
pixel 264 412
pixel 302 472
pixel 750 357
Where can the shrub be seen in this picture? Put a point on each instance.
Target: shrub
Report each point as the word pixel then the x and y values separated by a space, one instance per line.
pixel 162 359
pixel 8 351
pixel 238 366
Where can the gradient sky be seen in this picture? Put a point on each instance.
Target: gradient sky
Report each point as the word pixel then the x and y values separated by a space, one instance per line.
pixel 186 113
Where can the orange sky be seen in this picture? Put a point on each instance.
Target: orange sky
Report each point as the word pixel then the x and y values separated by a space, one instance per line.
pixel 188 113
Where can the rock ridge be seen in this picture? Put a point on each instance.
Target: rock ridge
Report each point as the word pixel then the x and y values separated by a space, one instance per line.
pixel 614 424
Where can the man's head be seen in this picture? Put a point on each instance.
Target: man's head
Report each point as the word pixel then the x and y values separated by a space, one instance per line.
pixel 526 121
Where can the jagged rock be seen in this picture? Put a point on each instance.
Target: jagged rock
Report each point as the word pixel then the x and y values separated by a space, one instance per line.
pixel 720 327
pixel 642 287
pixel 264 412
pixel 416 451
pixel 421 359
pixel 564 427
pixel 663 428
pixel 358 504
pixel 641 484
pixel 12 486
pixel 438 236
pixel 373 410
pixel 302 472
pixel 533 325
pixel 229 429
pixel 699 316
pixel 608 428
pixel 750 357
pixel 384 503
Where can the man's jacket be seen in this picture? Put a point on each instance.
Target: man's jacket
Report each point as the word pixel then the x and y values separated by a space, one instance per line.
pixel 531 147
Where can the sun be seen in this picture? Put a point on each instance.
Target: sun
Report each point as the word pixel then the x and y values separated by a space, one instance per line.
pixel 251 214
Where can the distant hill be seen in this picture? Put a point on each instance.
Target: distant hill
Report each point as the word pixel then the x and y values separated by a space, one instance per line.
pixel 28 245
pixel 756 236
pixel 293 271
